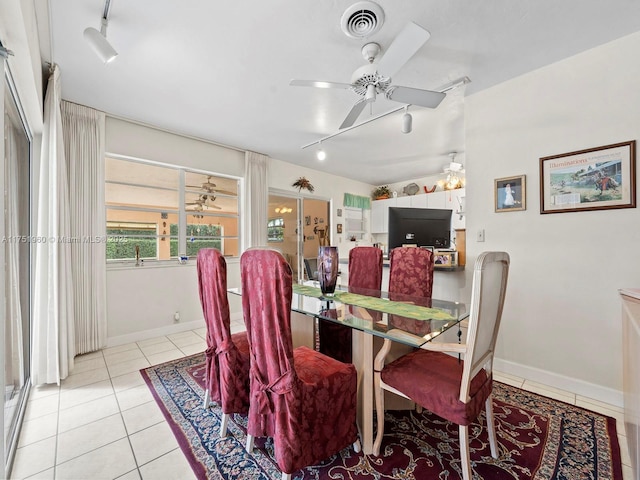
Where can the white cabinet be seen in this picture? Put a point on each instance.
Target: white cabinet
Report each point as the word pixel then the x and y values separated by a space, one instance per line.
pixel 412 201
pixel 436 199
pixel 380 215
pixel 454 200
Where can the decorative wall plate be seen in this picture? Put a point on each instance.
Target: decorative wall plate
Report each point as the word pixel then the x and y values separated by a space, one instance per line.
pixel 411 189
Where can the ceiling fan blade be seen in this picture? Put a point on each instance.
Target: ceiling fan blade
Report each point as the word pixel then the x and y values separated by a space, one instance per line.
pixel 319 84
pixel 403 47
pixel 415 96
pixel 224 192
pixel 354 113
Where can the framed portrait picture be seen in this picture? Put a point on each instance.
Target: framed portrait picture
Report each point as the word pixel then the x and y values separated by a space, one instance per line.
pixel 510 194
pixel 444 259
pixel 593 179
pixel 339 228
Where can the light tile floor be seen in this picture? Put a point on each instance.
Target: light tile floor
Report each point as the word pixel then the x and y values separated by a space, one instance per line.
pixel 103 423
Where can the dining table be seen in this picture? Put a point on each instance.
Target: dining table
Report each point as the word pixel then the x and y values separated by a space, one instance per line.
pixel 408 320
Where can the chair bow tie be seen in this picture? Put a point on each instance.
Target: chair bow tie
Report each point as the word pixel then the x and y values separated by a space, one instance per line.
pixel 281 385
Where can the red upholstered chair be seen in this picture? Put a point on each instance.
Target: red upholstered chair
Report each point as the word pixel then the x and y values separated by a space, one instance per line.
pixel 227 356
pixel 303 399
pixel 411 271
pixel 365 271
pixel 452 389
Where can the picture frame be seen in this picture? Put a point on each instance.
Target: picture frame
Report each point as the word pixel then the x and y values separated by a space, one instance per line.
pixel 510 194
pixel 339 228
pixel 597 178
pixel 444 259
pixel 339 212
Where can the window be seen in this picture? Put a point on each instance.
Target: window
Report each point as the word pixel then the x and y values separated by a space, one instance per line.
pixel 275 230
pixel 168 211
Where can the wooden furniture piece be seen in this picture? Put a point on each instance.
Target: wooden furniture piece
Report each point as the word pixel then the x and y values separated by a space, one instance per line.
pixel 631 373
pixel 227 356
pixel 452 389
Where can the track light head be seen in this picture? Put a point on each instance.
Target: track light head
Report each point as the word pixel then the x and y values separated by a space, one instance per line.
pixel 407 122
pixel 99 43
pixel 321 154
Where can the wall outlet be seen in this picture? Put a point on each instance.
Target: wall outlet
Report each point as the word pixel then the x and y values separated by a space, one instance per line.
pixel 480 237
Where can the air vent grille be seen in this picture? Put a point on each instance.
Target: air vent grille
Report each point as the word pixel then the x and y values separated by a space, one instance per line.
pixel 362 19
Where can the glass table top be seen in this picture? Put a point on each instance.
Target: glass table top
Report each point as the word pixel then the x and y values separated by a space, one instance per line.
pixel 403 318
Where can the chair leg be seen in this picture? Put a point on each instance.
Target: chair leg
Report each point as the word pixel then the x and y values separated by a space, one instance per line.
pixel 379 412
pixel 249 445
pixel 465 457
pixel 207 399
pixel 491 428
pixel 223 425
pixel 357 446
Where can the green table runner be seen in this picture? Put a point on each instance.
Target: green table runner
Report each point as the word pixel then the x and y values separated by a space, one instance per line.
pixel 402 309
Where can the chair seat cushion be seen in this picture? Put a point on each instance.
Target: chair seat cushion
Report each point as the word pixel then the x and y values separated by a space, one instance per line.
pixel 241 342
pixel 432 380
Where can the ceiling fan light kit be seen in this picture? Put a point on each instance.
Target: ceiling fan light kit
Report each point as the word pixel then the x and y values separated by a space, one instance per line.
pixel 97 40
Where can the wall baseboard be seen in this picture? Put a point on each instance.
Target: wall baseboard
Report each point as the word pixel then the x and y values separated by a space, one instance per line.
pixel 579 387
pixel 155 332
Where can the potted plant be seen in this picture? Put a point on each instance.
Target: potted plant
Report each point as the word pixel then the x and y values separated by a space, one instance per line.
pixel 381 192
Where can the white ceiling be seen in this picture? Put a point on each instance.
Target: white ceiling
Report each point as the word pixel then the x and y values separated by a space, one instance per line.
pixel 221 70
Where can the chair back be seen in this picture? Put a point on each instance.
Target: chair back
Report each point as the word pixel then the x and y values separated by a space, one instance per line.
pixel 365 268
pixel 487 300
pixel 411 271
pixel 267 287
pixel 212 286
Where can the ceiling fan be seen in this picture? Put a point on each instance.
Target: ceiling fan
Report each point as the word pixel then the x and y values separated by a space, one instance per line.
pixel 375 77
pixel 202 202
pixel 210 187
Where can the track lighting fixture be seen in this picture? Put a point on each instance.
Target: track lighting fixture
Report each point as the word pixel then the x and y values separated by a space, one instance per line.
pixel 320 153
pixel 97 40
pixel 407 120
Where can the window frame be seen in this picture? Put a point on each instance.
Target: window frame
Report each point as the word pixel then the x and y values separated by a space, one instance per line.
pixel 181 212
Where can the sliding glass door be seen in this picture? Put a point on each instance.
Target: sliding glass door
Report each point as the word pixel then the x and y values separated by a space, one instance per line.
pixel 15 256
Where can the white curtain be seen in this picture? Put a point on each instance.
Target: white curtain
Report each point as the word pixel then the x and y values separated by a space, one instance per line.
pixel 53 313
pixel 256 199
pixel 84 129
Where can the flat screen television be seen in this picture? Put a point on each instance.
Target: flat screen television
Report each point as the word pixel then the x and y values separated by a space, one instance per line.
pixel 424 227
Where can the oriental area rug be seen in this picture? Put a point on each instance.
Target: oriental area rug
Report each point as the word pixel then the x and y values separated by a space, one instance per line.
pixel 538 438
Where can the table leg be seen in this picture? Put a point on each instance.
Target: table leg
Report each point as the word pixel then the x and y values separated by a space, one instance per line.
pixel 363 361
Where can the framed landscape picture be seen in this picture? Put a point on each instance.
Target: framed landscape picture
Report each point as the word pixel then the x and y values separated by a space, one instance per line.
pixel 510 194
pixel 593 179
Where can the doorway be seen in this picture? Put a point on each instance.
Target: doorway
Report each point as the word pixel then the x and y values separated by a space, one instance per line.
pixel 297 226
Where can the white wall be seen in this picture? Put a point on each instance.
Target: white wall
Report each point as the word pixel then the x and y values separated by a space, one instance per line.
pixel 562 318
pixel 141 301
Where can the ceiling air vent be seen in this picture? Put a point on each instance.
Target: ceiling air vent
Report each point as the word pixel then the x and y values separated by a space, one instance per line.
pixel 362 19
